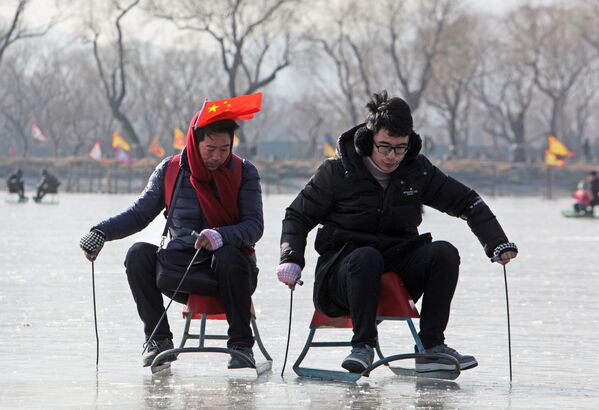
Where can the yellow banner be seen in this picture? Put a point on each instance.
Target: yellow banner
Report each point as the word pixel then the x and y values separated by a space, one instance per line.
pixel 178 139
pixel 557 147
pixel 119 142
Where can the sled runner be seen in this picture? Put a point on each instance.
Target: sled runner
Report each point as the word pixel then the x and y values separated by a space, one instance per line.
pixel 207 308
pixel 573 214
pixel 394 304
pixel 12 200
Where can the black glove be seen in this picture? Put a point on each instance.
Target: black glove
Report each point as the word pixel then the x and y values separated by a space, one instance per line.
pixel 93 242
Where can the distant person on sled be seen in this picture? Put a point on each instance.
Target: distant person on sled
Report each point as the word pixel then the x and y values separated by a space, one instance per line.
pixel 48 184
pixel 218 194
pixel 16 185
pixel 368 201
pixel 587 194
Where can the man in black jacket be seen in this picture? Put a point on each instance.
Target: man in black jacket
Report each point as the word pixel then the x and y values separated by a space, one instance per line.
pixel 15 184
pixel 48 184
pixel 368 201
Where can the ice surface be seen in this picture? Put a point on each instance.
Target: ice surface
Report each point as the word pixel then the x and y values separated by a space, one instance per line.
pixel 47 341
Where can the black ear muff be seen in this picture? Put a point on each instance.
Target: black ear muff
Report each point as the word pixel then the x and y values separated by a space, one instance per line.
pixel 363 141
pixel 415 146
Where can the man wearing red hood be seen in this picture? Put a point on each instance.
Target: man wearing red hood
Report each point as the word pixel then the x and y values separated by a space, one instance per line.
pixel 220 197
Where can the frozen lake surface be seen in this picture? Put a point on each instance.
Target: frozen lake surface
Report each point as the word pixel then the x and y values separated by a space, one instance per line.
pixel 48 347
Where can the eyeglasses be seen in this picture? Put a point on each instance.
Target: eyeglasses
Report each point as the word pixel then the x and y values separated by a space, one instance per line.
pixel 397 149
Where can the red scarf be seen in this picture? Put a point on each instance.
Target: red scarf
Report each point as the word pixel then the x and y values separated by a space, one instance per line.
pixel 221 210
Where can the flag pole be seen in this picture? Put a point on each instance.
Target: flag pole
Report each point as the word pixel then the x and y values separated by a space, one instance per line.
pixel 195 126
pixel 549 182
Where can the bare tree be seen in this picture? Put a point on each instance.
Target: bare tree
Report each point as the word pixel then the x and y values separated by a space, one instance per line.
pixel 451 81
pixel 85 121
pixel 505 89
pixel 589 15
pixel 16 100
pixel 165 97
pixel 66 100
pixel 585 97
pixel 347 42
pixel 309 126
pixel 253 38
pixel 506 94
pixel 580 109
pixel 114 80
pixel 552 42
pixel 414 42
pixel 16 31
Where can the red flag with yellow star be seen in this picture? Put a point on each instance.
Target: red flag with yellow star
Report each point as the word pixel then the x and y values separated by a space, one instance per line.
pixel 238 108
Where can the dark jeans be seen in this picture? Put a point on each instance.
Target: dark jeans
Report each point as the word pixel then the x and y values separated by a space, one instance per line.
pixel 43 190
pixel 17 188
pixel 430 271
pixel 579 207
pixel 236 282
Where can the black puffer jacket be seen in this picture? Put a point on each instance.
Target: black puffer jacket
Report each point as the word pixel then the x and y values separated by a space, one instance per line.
pixel 355 210
pixel 187 213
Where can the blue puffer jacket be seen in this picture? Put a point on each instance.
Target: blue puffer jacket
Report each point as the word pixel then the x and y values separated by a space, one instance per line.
pixel 187 214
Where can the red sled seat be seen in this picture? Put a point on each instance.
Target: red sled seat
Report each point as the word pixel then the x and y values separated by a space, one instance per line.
pixel 394 304
pixel 210 307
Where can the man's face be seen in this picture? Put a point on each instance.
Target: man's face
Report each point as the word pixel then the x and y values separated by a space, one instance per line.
pixel 214 150
pixel 388 150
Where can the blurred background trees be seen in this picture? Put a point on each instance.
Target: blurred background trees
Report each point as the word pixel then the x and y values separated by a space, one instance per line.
pixel 482 84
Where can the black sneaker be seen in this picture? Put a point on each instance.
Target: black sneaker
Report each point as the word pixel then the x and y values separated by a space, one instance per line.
pixel 156 347
pixel 359 359
pixel 237 363
pixel 425 364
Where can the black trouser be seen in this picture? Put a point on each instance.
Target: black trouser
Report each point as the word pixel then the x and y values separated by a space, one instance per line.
pixel 430 271
pixel 236 283
pixel 16 188
pixel 44 189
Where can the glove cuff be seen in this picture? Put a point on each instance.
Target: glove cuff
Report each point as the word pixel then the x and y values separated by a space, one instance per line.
pixel 505 247
pixel 99 232
pixel 92 242
pixel 289 273
pixel 215 238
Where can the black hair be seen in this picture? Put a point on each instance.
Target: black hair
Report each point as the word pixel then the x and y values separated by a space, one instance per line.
pixel 593 173
pixel 218 127
pixel 392 114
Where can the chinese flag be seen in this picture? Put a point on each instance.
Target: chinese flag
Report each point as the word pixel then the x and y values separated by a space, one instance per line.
pixel 238 108
pixel 119 142
pixel 156 148
pixel 178 139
